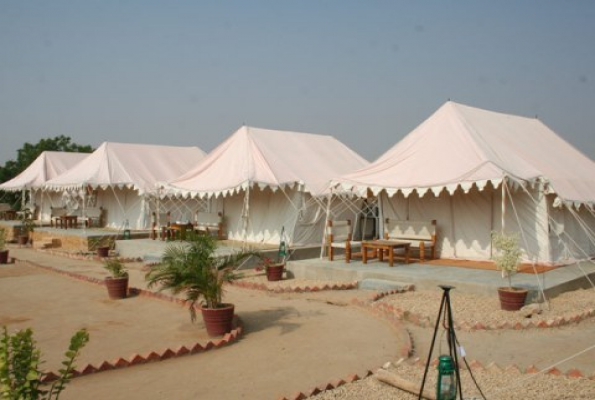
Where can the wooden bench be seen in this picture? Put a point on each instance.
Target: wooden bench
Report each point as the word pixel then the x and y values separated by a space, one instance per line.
pixel 420 234
pixel 209 222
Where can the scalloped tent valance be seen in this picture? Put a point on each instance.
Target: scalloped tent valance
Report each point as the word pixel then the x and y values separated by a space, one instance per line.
pixel 462 147
pixel 268 159
pixel 49 165
pixel 125 165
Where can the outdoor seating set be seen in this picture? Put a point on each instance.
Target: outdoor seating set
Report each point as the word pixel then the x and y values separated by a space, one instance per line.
pixel 6 212
pixel 60 217
pixel 399 239
pixel 210 223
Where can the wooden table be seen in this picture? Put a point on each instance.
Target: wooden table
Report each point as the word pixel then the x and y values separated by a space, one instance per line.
pixel 9 215
pixel 381 245
pixel 178 231
pixel 67 221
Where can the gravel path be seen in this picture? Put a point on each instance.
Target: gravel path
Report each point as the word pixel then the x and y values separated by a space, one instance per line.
pixel 474 308
pixel 495 384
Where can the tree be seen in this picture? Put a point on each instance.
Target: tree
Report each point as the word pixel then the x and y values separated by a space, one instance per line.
pixel 29 152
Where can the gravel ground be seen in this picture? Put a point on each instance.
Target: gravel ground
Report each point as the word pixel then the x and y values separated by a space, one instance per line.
pixel 474 308
pixel 495 384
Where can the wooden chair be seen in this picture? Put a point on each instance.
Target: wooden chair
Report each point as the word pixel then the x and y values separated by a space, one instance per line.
pixel 161 225
pixel 339 235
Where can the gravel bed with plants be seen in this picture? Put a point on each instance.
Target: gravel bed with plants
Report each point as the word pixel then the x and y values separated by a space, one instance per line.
pixel 472 308
pixel 493 382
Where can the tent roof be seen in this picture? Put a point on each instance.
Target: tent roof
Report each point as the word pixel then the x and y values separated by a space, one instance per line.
pixel 268 158
pixel 462 146
pixel 48 165
pixel 137 166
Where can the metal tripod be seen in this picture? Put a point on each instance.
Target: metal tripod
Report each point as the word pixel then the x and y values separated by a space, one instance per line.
pixel 451 338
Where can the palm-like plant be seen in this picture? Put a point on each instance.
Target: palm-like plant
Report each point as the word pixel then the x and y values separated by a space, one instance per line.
pixel 192 267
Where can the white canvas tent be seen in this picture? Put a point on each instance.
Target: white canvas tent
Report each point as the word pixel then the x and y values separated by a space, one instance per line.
pixel 475 171
pixel 48 165
pixel 120 177
pixel 265 180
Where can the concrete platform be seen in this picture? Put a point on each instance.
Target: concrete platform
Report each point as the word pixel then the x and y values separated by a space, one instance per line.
pixel 305 264
pixel 152 250
pixel 425 276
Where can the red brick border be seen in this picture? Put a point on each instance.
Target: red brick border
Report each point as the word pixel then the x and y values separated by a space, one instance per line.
pixel 297 289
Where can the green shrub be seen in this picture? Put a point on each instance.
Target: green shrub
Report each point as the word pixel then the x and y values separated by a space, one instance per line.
pixel 115 268
pixel 20 376
pixel 509 254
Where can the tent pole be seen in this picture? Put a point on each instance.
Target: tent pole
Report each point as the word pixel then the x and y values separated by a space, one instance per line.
pixel 452 223
pixel 84 211
pixel 246 216
pixel 503 221
pixel 328 211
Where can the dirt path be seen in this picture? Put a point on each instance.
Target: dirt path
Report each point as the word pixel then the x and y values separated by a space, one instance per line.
pixel 290 343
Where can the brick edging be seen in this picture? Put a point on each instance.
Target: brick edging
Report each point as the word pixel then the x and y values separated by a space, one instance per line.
pixel 424 321
pixel 297 289
pixel 86 257
pixel 151 356
pixel 326 386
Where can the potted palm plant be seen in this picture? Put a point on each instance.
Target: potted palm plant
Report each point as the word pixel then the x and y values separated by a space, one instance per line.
pixel 27 226
pixel 508 260
pixel 3 250
pixel 117 282
pixel 192 267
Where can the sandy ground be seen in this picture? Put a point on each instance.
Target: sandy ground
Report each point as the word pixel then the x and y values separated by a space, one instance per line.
pixel 292 342
pixel 289 344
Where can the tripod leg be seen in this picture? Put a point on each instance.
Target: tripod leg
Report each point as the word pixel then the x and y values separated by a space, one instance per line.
pixel 423 382
pixel 452 344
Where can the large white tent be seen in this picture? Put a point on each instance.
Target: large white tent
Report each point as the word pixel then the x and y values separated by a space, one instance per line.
pixel 266 180
pixel 476 171
pixel 48 165
pixel 121 177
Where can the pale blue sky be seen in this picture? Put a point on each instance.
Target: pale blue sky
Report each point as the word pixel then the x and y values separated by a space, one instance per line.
pixel 367 72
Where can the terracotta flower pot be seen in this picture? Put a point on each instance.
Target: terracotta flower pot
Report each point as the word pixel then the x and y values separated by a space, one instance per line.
pixel 117 288
pixel 218 321
pixel 512 299
pixel 3 256
pixel 23 240
pixel 275 272
pixel 103 252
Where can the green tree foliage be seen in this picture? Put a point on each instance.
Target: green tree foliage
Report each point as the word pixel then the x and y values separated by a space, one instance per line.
pixel 29 152
pixel 20 376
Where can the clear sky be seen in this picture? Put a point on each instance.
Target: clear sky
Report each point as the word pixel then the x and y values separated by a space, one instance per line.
pixel 366 72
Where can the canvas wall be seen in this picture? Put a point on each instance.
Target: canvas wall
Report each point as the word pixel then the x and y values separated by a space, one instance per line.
pixel 465 220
